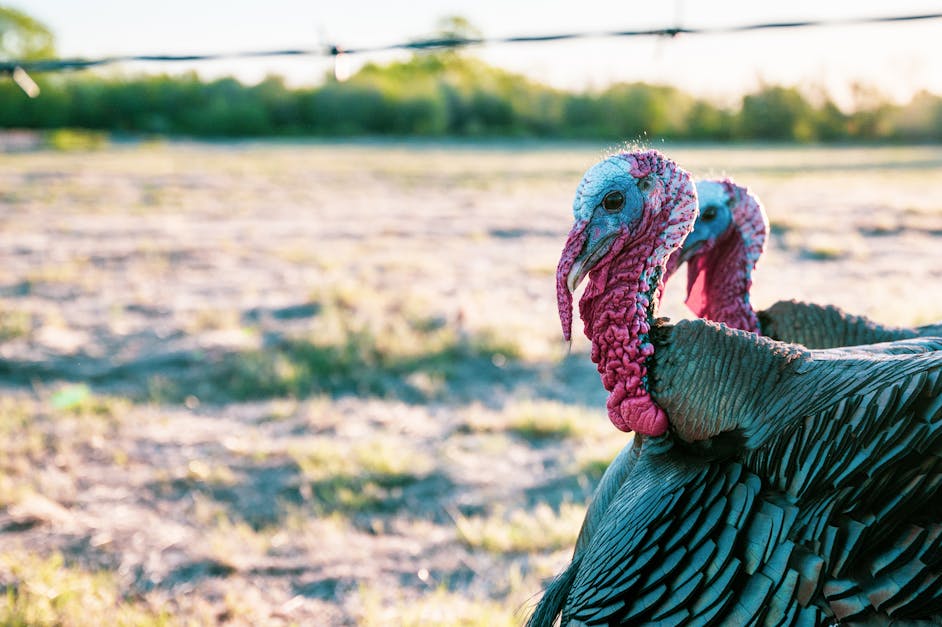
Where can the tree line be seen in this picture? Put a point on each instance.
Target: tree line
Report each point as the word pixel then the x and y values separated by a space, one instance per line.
pixel 450 95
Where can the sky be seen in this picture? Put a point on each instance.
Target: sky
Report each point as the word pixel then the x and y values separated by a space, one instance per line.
pixel 897 59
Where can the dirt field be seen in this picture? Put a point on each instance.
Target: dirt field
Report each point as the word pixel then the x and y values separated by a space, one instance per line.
pixel 324 384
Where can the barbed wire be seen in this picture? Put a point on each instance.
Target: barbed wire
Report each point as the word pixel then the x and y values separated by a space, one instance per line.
pixel 19 69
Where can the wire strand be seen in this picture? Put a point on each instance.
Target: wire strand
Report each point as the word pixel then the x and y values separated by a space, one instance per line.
pixel 61 65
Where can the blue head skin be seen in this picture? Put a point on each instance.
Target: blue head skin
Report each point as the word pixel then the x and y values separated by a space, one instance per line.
pixel 610 199
pixel 714 221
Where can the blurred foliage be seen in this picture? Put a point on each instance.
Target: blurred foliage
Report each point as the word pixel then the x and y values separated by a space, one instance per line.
pixel 23 37
pixel 433 94
pixel 447 94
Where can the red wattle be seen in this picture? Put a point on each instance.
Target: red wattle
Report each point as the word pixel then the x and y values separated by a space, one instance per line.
pixel 718 284
pixel 696 286
pixel 614 309
pixel 639 415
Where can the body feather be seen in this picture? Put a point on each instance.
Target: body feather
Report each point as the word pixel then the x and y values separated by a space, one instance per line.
pixel 820 507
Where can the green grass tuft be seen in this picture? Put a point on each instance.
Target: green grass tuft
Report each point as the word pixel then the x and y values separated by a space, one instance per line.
pixel 439 607
pixel 71 140
pixel 537 421
pixel 79 401
pixel 398 359
pixel 46 591
pixel 366 477
pixel 550 420
pixel 15 324
pixel 522 531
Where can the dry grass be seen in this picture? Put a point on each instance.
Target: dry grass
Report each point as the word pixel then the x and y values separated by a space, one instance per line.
pixel 521 531
pixel 46 591
pixel 439 607
pixel 538 420
pixel 363 477
pixel 324 384
pixel 15 324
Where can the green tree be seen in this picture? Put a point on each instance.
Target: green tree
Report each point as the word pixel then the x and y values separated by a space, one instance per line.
pixel 777 113
pixel 831 122
pixel 456 27
pixel 872 114
pixel 707 121
pixel 23 37
pixel 921 119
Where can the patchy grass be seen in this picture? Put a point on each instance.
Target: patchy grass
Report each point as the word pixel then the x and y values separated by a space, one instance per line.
pixel 325 457
pixel 392 356
pixel 538 421
pixel 212 319
pixel 439 607
pixel 823 246
pixel 57 274
pixel 509 603
pixel 212 474
pixel 22 444
pixel 336 343
pixel 594 457
pixel 16 414
pixel 75 140
pixel 57 424
pixel 14 324
pixel 522 531
pixel 197 477
pixel 363 344
pixel 236 544
pixel 359 478
pixel 541 420
pixel 79 401
pixel 46 591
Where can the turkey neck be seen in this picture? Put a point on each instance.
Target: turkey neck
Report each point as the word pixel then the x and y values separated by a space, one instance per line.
pixel 720 291
pixel 618 308
pixel 621 297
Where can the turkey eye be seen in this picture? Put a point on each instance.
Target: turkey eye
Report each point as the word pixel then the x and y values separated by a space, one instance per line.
pixel 613 202
pixel 645 184
pixel 709 213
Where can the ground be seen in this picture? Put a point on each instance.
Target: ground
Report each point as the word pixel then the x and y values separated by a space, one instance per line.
pixel 268 383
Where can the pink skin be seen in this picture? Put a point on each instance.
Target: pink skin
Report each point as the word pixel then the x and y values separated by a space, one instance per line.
pixel 718 294
pixel 620 300
pixel 719 273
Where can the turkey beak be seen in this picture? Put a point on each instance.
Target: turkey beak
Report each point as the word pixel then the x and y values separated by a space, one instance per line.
pixel 691 247
pixel 590 256
pixel 575 276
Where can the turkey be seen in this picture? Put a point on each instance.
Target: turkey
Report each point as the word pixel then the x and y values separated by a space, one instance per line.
pixel 767 483
pixel 721 253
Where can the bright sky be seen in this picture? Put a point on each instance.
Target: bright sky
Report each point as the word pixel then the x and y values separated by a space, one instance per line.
pixel 899 59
